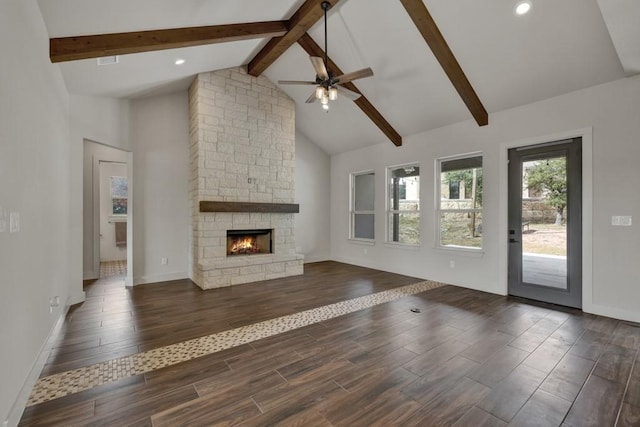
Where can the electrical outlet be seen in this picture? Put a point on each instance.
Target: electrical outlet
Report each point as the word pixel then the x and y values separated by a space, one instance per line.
pixel 164 261
pixel 452 264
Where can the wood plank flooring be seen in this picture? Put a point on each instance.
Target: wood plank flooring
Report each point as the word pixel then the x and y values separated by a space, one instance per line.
pixel 467 359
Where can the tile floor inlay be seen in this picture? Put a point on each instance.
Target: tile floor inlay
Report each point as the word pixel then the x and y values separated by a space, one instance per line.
pixel 77 380
pixel 113 268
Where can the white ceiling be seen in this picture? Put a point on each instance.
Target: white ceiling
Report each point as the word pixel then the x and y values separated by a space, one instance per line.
pixel 559 47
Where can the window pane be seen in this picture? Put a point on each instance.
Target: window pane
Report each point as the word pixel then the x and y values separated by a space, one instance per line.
pixel 364 192
pixel 404 196
pixel 404 228
pixel 119 206
pixel 462 185
pixel 454 189
pixel 404 193
pixel 363 226
pixel 119 187
pixel 461 229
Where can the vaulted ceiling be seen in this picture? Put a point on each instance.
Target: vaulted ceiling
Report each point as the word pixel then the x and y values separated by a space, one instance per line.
pixel 508 60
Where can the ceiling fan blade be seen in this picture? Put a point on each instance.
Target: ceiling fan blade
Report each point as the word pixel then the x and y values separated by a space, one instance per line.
pixel 312 98
pixel 360 74
pixel 318 65
pixel 348 93
pixel 295 82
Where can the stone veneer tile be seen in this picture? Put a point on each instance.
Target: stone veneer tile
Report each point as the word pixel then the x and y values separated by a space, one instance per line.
pixel 242 128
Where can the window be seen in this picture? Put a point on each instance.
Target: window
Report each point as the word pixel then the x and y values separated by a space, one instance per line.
pixel 362 205
pixel 403 204
pixel 460 202
pixel 119 195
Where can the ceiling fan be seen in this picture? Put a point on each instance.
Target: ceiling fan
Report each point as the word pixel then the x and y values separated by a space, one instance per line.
pixel 328 85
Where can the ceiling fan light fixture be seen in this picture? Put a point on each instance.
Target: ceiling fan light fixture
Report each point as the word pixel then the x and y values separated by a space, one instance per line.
pixel 522 8
pixel 333 93
pixel 328 85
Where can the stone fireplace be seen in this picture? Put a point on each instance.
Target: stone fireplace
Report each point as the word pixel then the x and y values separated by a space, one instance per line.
pixel 242 139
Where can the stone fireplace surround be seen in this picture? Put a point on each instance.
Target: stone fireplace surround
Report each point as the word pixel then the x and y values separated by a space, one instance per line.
pixel 242 144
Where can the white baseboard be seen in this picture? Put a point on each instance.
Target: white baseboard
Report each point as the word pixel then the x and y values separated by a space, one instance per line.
pixel 160 278
pixel 21 401
pixel 90 275
pixel 356 261
pixel 616 313
pixel 77 298
pixel 316 258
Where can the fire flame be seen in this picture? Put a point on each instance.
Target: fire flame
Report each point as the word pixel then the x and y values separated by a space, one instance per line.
pixel 244 245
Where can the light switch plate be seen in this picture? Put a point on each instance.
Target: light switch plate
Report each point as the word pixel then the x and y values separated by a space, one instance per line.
pixel 3 220
pixel 621 220
pixel 14 222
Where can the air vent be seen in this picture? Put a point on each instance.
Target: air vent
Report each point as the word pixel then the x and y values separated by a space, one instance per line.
pixel 108 60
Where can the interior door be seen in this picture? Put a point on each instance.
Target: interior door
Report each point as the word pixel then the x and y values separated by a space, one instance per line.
pixel 545 222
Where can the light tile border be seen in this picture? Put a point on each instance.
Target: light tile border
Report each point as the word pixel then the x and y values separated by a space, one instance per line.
pixel 81 379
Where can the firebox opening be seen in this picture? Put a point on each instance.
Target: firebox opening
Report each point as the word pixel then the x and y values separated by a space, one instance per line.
pixel 249 242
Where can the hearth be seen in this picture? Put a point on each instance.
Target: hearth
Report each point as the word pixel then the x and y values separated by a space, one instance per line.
pixel 249 242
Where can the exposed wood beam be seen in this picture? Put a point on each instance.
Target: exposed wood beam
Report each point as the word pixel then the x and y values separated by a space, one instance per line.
pixel 83 47
pixel 434 38
pixel 313 49
pixel 303 19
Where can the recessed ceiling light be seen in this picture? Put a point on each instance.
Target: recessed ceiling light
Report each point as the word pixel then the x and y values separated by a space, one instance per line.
pixel 179 61
pixel 523 7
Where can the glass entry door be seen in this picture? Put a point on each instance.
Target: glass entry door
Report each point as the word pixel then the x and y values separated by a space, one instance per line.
pixel 545 222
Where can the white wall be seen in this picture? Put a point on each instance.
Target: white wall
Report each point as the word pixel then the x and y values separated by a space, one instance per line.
pixel 160 140
pixel 109 251
pixel 312 182
pixel 34 181
pixel 610 109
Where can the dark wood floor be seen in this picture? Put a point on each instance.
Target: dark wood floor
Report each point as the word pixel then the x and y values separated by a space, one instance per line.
pixel 467 359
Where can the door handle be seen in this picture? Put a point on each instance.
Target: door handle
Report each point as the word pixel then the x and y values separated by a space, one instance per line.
pixel 513 241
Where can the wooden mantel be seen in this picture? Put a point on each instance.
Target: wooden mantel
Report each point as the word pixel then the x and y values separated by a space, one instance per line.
pixel 249 207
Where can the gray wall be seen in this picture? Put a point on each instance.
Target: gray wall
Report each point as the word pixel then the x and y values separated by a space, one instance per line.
pixel 312 224
pixel 34 182
pixel 160 140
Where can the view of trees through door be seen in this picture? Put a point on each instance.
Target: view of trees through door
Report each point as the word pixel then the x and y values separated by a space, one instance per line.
pixel 544 203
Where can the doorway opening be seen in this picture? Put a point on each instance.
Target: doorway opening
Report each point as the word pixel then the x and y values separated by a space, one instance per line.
pixel 113 201
pixel 545 222
pixel 107 213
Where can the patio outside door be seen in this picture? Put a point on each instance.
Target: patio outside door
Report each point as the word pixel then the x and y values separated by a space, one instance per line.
pixel 545 222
